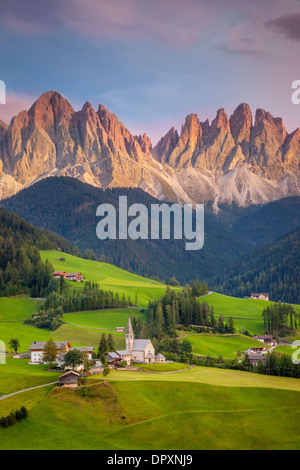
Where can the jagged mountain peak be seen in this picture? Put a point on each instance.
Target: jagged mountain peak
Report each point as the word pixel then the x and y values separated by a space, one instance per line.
pixel 230 160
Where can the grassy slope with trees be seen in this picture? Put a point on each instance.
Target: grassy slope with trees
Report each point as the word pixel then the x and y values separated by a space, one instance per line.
pixel 227 233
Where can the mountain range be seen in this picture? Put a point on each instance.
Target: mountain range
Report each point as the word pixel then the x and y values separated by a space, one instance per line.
pixel 230 160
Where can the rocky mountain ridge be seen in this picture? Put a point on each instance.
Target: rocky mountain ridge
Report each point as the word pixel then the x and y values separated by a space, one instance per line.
pixel 230 160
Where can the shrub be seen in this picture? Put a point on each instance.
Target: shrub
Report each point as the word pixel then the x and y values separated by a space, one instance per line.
pixel 3 422
pixel 24 412
pixel 18 415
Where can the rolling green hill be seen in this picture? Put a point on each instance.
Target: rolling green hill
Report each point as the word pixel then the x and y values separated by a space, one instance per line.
pixel 108 276
pixel 225 345
pixel 216 409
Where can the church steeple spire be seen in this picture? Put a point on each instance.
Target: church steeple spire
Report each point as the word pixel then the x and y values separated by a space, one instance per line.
pixel 129 336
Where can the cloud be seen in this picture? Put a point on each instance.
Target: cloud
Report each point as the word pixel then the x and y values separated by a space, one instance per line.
pixel 288 25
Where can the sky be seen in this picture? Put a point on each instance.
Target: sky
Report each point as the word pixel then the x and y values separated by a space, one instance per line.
pixel 152 62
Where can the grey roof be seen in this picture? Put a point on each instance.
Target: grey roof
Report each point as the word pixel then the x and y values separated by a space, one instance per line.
pixel 257 357
pixel 37 345
pixel 149 355
pixel 160 355
pixel 113 355
pixel 74 274
pixel 140 344
pixel 61 357
pixel 83 349
pixel 123 352
pixel 68 373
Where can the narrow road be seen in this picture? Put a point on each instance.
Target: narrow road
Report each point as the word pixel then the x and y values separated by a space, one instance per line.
pixel 26 390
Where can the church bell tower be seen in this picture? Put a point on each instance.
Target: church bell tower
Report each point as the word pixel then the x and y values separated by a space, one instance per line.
pixel 129 336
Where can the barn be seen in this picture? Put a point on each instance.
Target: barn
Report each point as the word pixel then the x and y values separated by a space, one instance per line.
pixel 69 379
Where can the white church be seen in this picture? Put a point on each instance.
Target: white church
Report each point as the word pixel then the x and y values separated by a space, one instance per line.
pixel 137 350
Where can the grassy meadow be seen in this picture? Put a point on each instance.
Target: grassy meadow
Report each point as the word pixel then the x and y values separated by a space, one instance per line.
pixel 225 345
pixel 196 409
pixel 109 277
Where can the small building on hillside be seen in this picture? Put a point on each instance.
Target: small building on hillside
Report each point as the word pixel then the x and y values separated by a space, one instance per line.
pixel 77 277
pixel 58 274
pixel 255 358
pixel 69 379
pixel 254 350
pixel 37 350
pixel 259 296
pixel 267 340
pixel 120 329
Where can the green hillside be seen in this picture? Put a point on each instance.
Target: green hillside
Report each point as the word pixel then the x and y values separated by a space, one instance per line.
pixel 246 313
pixel 151 411
pixel 225 346
pixel 109 277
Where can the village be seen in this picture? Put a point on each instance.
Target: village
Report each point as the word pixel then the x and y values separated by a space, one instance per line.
pixel 137 352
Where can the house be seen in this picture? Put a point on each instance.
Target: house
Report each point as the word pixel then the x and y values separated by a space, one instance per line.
pixel 266 339
pixel 255 358
pixel 254 350
pixel 125 356
pixel 58 274
pixel 88 349
pixel 77 277
pixel 61 357
pixel 69 379
pixel 113 358
pixel 120 329
pixel 259 296
pixel 37 350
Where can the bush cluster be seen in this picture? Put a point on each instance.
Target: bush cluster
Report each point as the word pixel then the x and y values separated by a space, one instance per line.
pixel 13 418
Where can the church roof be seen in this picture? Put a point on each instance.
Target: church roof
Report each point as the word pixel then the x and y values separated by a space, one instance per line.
pixel 149 355
pixel 140 344
pixel 129 330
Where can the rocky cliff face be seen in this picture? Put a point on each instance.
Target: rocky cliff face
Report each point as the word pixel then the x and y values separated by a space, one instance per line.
pixel 229 160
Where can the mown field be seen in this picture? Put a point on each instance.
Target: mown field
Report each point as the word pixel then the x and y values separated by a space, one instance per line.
pixel 225 345
pixel 196 409
pixel 246 313
pixel 109 277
